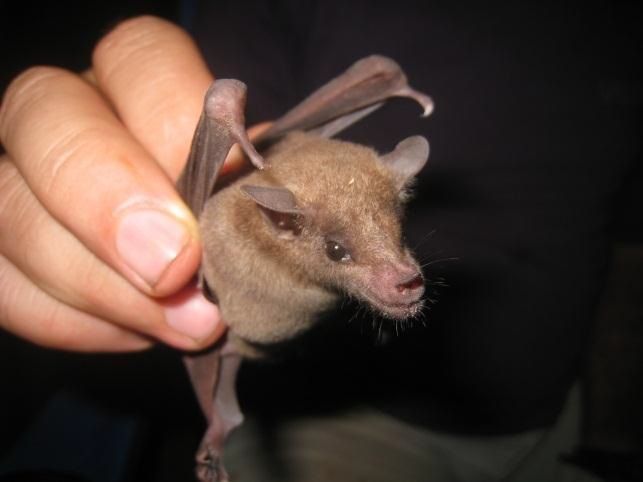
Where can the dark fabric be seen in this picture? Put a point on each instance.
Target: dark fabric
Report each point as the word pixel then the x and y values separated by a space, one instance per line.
pixel 535 142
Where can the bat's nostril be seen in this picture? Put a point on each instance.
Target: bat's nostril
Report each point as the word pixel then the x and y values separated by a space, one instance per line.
pixel 411 285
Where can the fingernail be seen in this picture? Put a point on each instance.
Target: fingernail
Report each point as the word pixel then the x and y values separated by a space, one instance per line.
pixel 148 240
pixel 195 317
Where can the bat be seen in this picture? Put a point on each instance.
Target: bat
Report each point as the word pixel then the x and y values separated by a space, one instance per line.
pixel 319 219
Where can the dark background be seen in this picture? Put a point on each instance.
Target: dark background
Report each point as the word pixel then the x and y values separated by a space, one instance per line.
pixel 63 33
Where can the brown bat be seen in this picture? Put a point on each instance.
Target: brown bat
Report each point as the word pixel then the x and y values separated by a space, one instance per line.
pixel 318 220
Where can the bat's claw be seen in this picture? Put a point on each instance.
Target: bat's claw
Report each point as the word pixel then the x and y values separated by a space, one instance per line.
pixel 424 100
pixel 209 467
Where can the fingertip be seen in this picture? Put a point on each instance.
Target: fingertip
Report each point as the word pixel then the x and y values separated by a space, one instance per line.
pixel 196 319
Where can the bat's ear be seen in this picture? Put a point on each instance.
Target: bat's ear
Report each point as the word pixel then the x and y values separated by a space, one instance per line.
pixel 279 208
pixel 407 159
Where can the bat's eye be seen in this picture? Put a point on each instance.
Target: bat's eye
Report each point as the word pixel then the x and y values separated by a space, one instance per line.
pixel 337 252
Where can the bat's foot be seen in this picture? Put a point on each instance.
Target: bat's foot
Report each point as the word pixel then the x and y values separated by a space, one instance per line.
pixel 209 467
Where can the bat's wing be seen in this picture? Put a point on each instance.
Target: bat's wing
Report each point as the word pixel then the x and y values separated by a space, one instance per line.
pixel 212 373
pixel 357 92
pixel 347 98
pixel 221 125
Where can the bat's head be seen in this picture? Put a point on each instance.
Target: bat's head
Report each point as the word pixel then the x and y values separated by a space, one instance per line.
pixel 335 209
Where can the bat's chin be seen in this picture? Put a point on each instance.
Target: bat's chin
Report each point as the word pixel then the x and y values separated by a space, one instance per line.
pixel 397 311
pixel 402 311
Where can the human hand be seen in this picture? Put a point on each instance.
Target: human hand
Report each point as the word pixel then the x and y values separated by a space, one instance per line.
pixel 97 249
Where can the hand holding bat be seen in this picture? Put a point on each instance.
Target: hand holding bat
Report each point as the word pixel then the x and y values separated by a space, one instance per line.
pixel 96 246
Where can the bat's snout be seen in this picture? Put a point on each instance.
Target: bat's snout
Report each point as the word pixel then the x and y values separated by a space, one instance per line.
pixel 406 286
pixel 397 289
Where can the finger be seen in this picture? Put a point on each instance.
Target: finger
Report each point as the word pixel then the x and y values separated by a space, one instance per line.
pixel 94 178
pixel 30 313
pixel 156 78
pixel 61 266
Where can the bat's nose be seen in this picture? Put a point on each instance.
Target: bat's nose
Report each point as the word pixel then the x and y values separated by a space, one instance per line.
pixel 398 288
pixel 400 283
pixel 412 284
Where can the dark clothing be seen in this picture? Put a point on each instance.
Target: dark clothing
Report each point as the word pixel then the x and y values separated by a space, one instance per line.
pixel 534 135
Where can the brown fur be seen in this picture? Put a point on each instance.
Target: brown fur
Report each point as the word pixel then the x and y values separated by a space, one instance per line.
pixel 272 287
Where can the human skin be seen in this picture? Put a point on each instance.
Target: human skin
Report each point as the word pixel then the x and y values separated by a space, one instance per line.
pixel 97 250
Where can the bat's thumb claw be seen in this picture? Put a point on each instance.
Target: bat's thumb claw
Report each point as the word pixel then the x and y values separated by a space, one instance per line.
pixel 249 149
pixel 428 110
pixel 424 100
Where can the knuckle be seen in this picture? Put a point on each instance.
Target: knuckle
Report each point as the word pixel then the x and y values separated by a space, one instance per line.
pixel 9 182
pixel 56 329
pixel 30 313
pixel 14 205
pixel 26 90
pixel 15 296
pixel 7 291
pixel 45 322
pixel 62 161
